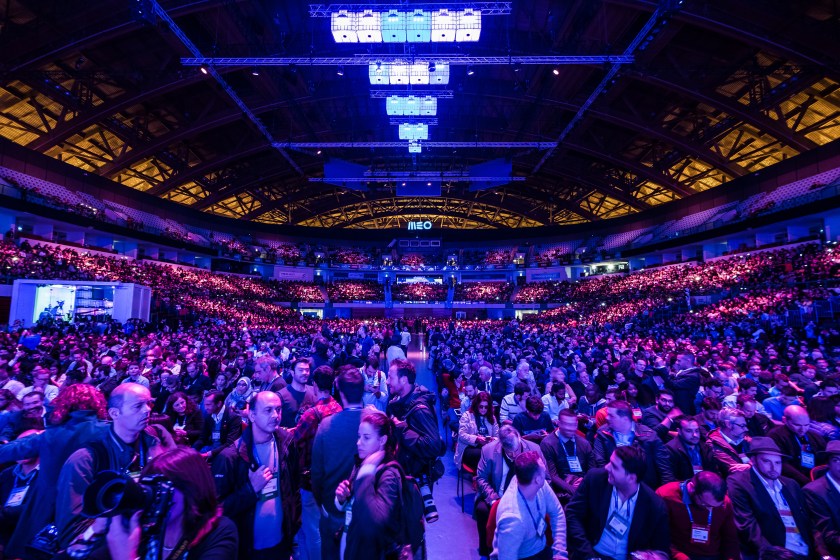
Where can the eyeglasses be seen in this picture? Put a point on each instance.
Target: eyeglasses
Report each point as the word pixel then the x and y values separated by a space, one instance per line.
pixel 742 426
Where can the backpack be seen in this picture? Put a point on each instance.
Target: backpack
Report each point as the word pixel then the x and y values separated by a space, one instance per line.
pixel 409 510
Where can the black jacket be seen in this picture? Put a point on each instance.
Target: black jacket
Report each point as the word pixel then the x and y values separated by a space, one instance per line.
pixel 229 432
pixel 674 463
pixel 419 441
pixel 823 501
pixel 563 480
pixel 586 517
pixel 685 386
pixel 646 439
pixel 230 471
pixel 789 445
pixel 758 521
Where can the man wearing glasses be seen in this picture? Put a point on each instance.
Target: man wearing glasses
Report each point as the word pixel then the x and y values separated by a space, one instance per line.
pixel 730 443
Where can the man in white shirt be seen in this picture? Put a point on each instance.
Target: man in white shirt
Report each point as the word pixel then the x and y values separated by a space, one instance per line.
pixel 769 508
pixel 521 526
pixel 405 339
pixel 134 376
pixel 514 403
pixel 41 382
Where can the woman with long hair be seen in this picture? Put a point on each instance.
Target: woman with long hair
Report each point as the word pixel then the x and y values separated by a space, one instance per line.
pixel 195 527
pixel 76 420
pixel 183 419
pixel 370 497
pixel 477 428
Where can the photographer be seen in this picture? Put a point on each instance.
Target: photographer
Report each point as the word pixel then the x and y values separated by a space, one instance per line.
pixel 194 526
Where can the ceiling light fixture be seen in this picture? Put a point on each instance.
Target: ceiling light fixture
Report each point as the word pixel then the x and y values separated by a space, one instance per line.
pixel 470 71
pixel 203 69
pixel 556 71
pixel 340 71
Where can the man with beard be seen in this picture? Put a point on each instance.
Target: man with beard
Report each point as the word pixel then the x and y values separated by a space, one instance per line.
pixel 660 418
pixel 685 455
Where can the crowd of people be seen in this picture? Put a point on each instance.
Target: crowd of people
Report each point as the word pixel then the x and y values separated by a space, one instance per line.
pixel 419 291
pixel 602 430
pixel 356 290
pixel 488 292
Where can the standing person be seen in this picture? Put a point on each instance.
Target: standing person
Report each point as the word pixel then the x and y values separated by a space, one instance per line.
pixel 405 339
pixel 333 456
pixel 15 483
pixel 298 395
pixel 266 377
pixel 419 442
pixel 77 419
pixel 222 426
pixel 769 508
pixel 520 525
pixel 309 537
pixel 125 448
pixel 702 519
pixel 182 418
pixel 260 483
pixel 376 386
pixel 195 519
pixel 370 497
pixel 685 382
pixel 614 514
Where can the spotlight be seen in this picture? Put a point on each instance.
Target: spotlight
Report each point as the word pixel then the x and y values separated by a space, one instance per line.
pixel 556 71
pixel 517 67
pixel 470 71
pixel 255 71
pixel 432 66
pixel 340 71
pixel 203 70
pixel 318 152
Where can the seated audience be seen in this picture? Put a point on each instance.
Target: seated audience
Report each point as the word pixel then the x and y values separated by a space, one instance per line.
pixel 568 456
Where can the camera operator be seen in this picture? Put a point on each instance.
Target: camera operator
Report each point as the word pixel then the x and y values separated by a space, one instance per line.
pixel 125 448
pixel 194 526
pixel 412 409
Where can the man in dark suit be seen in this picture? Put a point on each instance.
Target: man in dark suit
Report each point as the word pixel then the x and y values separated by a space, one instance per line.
pixel 685 383
pixel 222 426
pixel 494 473
pixel 684 456
pixel 568 456
pixel 769 507
pixel 660 418
pixel 614 514
pixel 823 499
pixel 799 443
pixel 620 430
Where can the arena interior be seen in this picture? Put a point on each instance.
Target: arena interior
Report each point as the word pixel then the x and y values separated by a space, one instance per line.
pixel 578 255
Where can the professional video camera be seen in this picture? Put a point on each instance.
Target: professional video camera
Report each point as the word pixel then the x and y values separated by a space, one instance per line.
pixel 112 494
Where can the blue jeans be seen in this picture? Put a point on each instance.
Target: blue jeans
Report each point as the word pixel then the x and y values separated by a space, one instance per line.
pixel 309 536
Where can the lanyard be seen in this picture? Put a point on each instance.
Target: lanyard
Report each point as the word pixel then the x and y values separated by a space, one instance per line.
pixel 534 520
pixel 687 502
pixel 617 509
pixel 804 446
pixel 574 448
pixel 134 457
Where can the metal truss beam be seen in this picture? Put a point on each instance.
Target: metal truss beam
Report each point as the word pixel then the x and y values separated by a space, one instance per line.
pixel 605 81
pixel 366 59
pixel 486 8
pixel 404 144
pixel 418 177
pixel 190 46
pixel 438 93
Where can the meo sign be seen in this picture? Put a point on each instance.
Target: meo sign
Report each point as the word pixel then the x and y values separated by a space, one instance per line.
pixel 419 225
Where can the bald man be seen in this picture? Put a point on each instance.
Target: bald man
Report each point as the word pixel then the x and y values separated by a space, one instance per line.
pixel 125 448
pixel 797 440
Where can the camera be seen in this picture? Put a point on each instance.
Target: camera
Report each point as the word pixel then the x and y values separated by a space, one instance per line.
pixel 112 494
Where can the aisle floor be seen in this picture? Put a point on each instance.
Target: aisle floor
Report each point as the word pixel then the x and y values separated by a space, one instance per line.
pixel 454 534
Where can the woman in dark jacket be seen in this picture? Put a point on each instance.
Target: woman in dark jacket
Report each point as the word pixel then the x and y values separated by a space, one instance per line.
pixel 182 418
pixel 372 492
pixel 76 421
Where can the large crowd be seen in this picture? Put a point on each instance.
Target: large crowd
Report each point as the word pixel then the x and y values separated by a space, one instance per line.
pixel 602 430
pixel 419 291
pixel 356 290
pixel 487 292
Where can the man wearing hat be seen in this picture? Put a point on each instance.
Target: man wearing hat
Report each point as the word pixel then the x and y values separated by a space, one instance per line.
pixel 769 508
pixel 823 499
